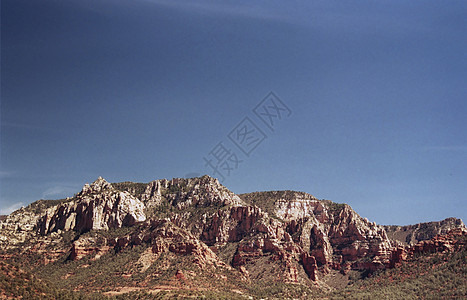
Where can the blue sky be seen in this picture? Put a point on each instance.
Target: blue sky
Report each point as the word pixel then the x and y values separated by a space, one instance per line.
pixel 144 90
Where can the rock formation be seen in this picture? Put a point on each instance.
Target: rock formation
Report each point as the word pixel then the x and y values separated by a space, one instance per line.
pixel 98 206
pixel 412 234
pixel 282 236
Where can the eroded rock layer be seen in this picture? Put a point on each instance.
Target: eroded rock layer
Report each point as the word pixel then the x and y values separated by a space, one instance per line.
pixel 285 235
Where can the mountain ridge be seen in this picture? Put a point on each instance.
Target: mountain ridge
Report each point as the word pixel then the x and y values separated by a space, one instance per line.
pixel 285 237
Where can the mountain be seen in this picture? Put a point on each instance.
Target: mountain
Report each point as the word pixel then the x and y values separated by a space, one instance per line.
pixel 195 237
pixel 412 234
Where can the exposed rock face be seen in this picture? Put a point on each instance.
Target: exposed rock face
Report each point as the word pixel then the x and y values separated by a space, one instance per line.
pixel 440 243
pixel 89 246
pixel 299 208
pixel 354 237
pixel 261 258
pixel 305 231
pixel 336 234
pixel 234 224
pixel 19 226
pixel 199 192
pixel 398 255
pixel 168 237
pixel 98 206
pixel 153 192
pixel 160 235
pixel 448 242
pixel 309 264
pixel 285 235
pixel 412 234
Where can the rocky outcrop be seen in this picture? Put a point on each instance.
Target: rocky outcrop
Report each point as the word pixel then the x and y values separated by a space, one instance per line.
pixel 448 242
pixel 89 246
pixel 152 195
pixel 354 237
pixel 412 234
pixel 298 208
pixel 98 206
pixel 398 255
pixel 281 235
pixel 200 192
pixel 452 241
pixel 20 225
pixel 334 234
pixel 167 237
pixel 234 224
pixel 309 264
pixel 260 258
pixel 320 237
pixel 159 235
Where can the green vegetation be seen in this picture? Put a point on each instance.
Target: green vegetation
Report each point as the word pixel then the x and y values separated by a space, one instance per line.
pixel 177 188
pixel 267 200
pixel 91 275
pixel 260 197
pixel 135 272
pixel 334 207
pixel 40 206
pixel 227 252
pixel 17 284
pixel 164 209
pixel 134 188
pixel 110 234
pixel 425 276
pixel 440 276
pixel 125 268
pixel 281 290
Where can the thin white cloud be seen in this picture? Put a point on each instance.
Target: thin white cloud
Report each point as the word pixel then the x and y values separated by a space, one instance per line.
pixel 9 209
pixel 59 191
pixel 446 148
pixel 316 16
pixel 19 125
pixel 6 174
pixel 26 126
pixel 223 8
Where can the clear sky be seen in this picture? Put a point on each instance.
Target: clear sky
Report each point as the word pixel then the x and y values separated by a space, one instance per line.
pixel 373 108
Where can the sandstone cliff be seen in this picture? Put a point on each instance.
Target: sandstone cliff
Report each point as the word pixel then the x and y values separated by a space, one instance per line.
pixel 412 234
pixel 282 236
pixel 98 206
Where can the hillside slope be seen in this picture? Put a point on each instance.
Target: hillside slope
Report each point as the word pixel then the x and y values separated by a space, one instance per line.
pixel 195 236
